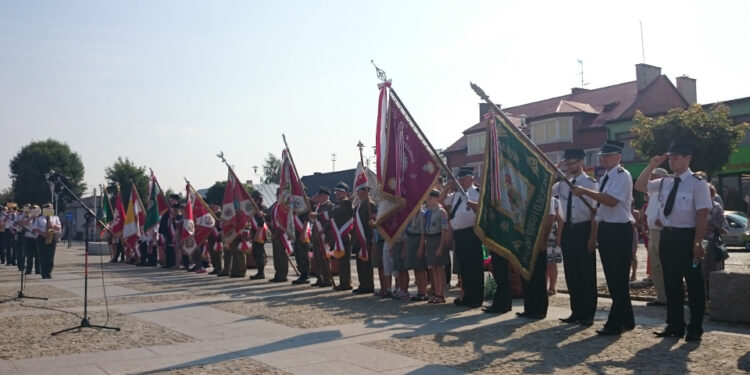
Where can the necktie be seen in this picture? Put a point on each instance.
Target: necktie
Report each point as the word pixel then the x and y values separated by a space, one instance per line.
pixel 601 188
pixel 670 198
pixel 455 208
pixel 569 208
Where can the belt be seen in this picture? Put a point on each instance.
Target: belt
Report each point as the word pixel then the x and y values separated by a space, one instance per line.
pixel 571 225
pixel 625 223
pixel 413 234
pixel 675 229
pixel 434 235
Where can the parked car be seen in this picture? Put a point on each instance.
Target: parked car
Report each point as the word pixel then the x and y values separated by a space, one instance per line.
pixel 738 230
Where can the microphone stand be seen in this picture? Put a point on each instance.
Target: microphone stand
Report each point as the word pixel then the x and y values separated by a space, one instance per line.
pixel 85 321
pixel 23 273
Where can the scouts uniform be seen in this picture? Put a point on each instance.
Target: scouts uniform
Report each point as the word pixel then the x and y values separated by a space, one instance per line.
pixel 342 215
pixel 468 247
pixel 679 198
pixel 321 226
pixel 615 239
pixel 579 264
pixel 363 213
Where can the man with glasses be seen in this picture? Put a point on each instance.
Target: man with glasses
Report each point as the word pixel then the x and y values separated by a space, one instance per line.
pixel 614 235
pixel 578 239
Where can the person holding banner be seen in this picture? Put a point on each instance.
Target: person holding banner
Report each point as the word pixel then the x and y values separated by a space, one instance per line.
pixel 302 249
pixel 341 225
pixel 468 247
pixel 258 224
pixel 614 234
pixel 321 225
pixel 280 265
pixel 364 218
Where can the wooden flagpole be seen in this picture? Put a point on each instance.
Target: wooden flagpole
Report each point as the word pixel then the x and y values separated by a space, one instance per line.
pixel 478 90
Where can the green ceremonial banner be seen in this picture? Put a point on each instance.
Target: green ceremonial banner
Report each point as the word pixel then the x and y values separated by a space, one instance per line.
pixel 514 198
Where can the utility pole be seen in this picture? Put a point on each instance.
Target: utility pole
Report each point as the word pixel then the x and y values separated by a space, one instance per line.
pixel 333 159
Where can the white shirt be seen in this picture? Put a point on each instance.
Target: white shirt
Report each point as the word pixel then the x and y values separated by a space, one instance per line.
pixel 579 212
pixel 692 195
pixel 55 224
pixel 652 211
pixel 619 186
pixel 40 224
pixel 554 207
pixel 465 216
pixel 30 224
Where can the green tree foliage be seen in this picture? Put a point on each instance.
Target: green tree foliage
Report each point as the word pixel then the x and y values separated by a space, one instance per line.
pixel 271 169
pixel 215 193
pixel 122 172
pixel 6 195
pixel 28 167
pixel 713 134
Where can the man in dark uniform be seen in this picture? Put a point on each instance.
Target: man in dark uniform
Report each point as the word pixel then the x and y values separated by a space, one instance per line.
pixel 301 250
pixel 321 226
pixel 579 258
pixel 280 264
pixel 614 234
pixel 342 215
pixel 259 237
pixel 214 242
pixel 364 218
pixel 684 201
pixel 167 231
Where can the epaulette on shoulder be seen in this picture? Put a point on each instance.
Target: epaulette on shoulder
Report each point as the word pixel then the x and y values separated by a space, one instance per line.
pixel 697 176
pixel 620 170
pixel 591 179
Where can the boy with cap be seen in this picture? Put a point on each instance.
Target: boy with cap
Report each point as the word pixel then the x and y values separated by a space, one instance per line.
pixel 577 241
pixel 684 200
pixel 614 234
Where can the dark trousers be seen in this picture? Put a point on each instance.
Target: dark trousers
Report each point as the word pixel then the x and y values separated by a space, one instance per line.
pixel 46 255
pixel 448 268
pixel 345 264
pixel 32 255
pixel 280 263
pixel 322 265
pixel 676 255
pixel 535 301
pixel 615 250
pixel 503 299
pixel 20 244
pixel 3 255
pixel 580 270
pixel 215 258
pixel 302 258
pixel 169 259
pixel 259 254
pixel 469 255
pixel 364 272
pixel 9 245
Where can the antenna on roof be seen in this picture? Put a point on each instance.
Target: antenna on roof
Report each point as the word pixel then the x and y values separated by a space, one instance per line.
pixel 580 63
pixel 643 49
pixel 333 159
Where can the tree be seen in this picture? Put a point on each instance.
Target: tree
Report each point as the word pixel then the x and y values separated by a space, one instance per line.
pixel 29 166
pixel 713 135
pixel 271 169
pixel 122 172
pixel 216 192
pixel 6 195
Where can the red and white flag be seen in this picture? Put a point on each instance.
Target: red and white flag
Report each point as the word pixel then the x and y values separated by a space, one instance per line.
pixel 291 199
pixel 408 169
pixel 118 220
pixel 136 215
pixel 199 221
pixel 236 209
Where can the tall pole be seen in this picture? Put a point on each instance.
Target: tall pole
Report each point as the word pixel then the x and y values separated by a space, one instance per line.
pixel 524 138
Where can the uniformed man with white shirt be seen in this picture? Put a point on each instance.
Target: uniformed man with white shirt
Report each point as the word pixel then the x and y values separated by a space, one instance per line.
pixel 654 234
pixel 684 201
pixel 30 247
pixel 47 227
pixel 578 240
pixel 614 235
pixel 468 247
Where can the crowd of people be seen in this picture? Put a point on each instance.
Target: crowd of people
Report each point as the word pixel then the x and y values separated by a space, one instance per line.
pixel 585 215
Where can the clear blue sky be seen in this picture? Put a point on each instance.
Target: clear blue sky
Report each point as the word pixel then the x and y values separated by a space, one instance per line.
pixel 171 83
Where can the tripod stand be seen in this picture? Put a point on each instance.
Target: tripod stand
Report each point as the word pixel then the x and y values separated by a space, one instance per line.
pixel 85 322
pixel 23 278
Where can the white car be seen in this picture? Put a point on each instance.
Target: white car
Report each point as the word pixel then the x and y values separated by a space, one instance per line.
pixel 738 230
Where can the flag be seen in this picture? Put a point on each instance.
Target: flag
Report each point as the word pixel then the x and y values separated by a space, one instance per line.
pixel 134 217
pixel 107 214
pixel 360 181
pixel 291 199
pixel 515 196
pixel 408 169
pixel 236 209
pixel 118 215
pixel 199 223
pixel 156 205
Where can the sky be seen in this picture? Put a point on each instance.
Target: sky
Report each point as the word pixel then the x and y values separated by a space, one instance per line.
pixel 169 84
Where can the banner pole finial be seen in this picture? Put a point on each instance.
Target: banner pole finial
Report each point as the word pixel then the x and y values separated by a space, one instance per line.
pixel 379 72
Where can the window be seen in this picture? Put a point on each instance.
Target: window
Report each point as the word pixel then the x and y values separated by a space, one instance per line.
pixel 555 157
pixel 476 143
pixel 552 130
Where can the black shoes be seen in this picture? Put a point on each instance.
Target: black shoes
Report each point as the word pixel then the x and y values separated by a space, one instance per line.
pixel 531 315
pixel 693 337
pixel 258 276
pixel 669 333
pixel 275 280
pixel 301 280
pixel 608 331
pixel 340 288
pixel 655 303
pixel 494 310
pixel 571 319
pixel 461 302
pixel 587 322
